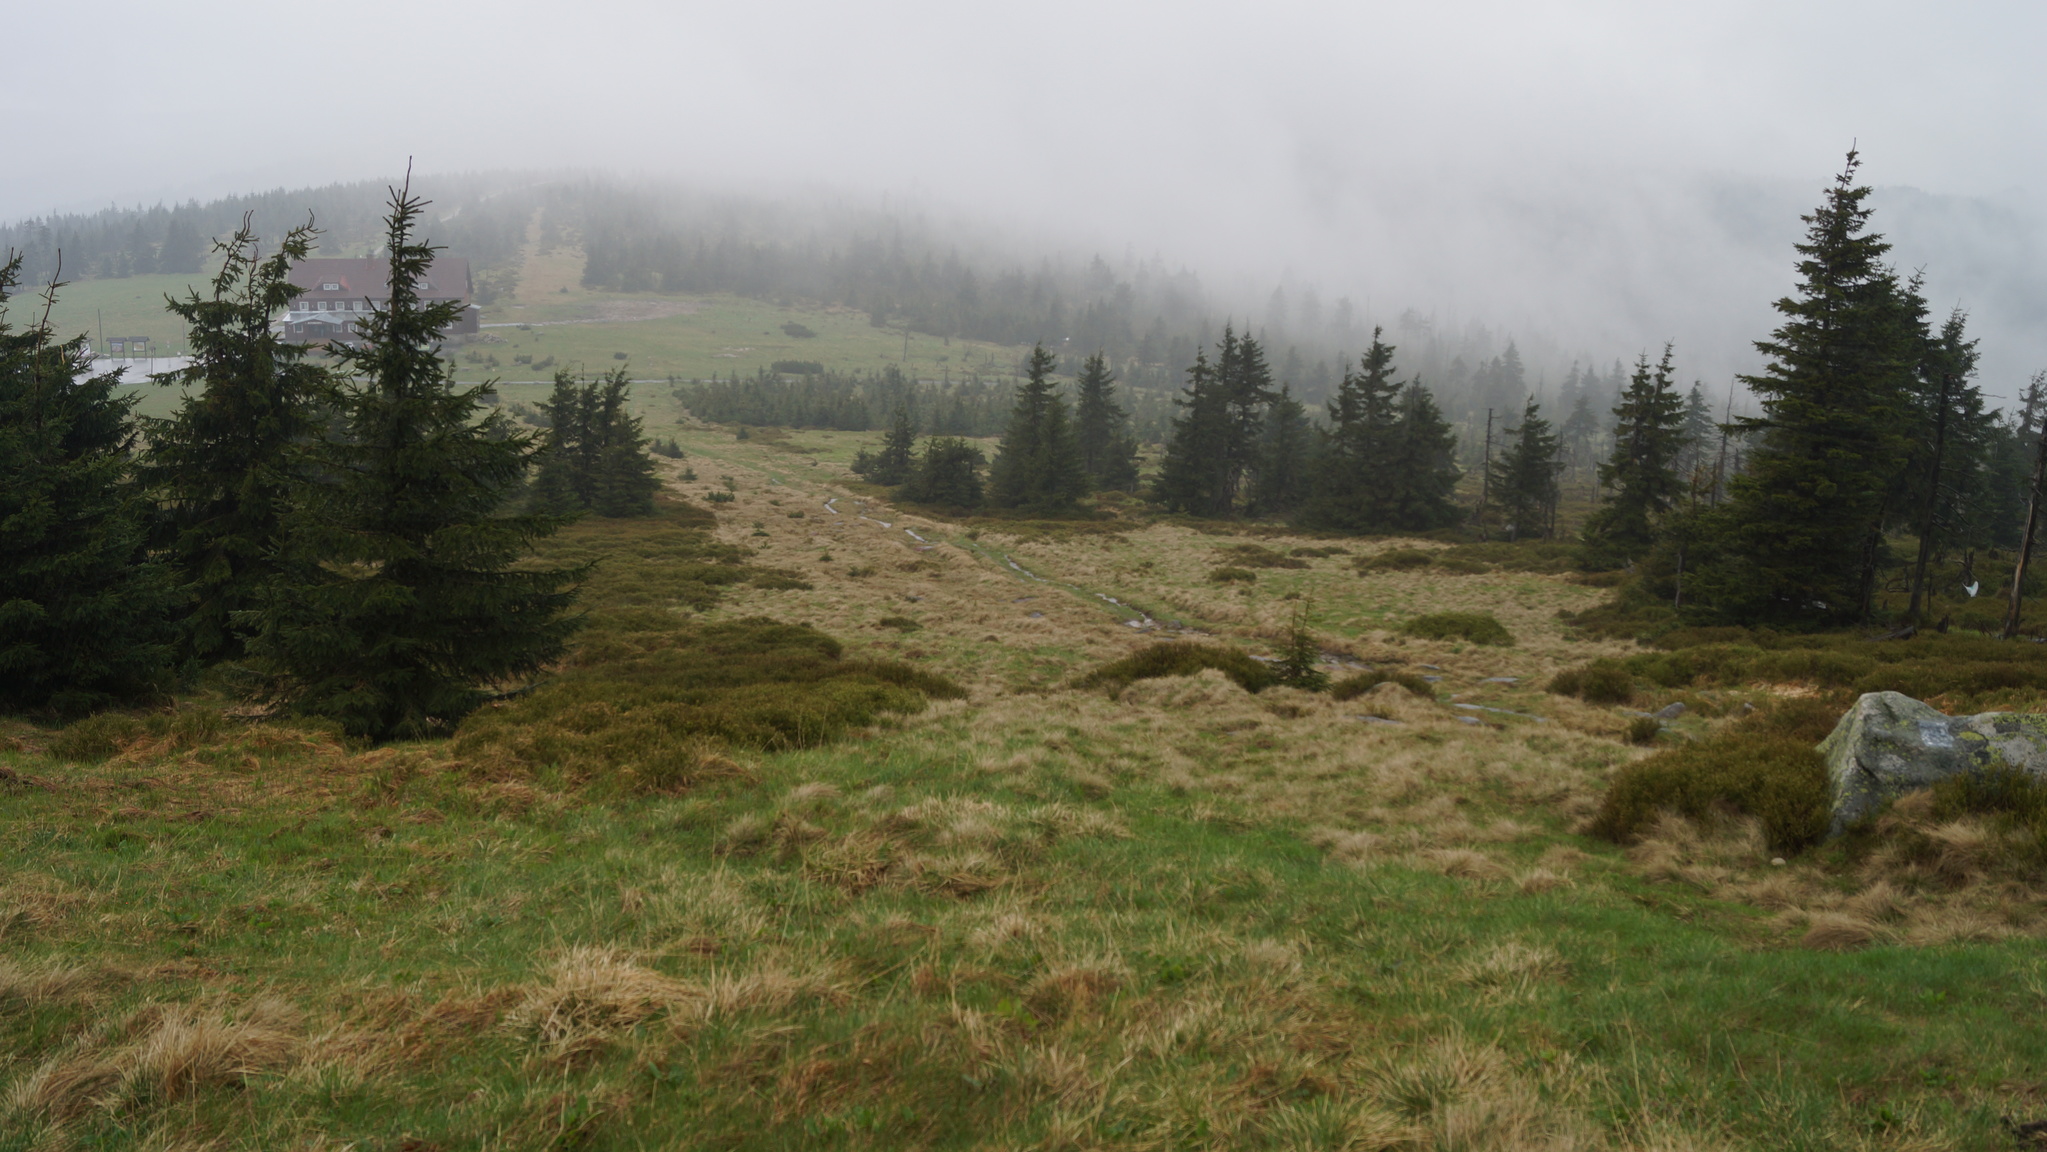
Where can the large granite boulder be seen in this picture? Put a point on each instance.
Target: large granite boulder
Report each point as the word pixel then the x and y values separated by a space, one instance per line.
pixel 1890 744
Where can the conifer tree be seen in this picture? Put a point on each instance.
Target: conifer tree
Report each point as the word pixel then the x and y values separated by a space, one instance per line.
pixel 1697 438
pixel 1215 440
pixel 1800 536
pixel 1421 465
pixel 947 474
pixel 1578 433
pixel 892 465
pixel 596 456
pixel 561 463
pixel 1524 479
pixel 1280 482
pixel 1188 480
pixel 405 600
pixel 1945 463
pixel 1640 477
pixel 84 611
pixel 623 481
pixel 1108 453
pixel 1037 465
pixel 1354 481
pixel 220 467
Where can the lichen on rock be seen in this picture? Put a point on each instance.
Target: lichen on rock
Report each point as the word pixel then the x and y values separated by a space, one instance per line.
pixel 1889 744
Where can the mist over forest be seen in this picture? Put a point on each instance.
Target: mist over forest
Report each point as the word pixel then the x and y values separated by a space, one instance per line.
pixel 1550 294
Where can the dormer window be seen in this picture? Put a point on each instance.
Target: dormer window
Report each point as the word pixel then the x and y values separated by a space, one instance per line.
pixel 330 287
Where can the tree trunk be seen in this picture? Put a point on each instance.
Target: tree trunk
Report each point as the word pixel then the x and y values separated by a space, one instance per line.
pixel 1912 606
pixel 2018 575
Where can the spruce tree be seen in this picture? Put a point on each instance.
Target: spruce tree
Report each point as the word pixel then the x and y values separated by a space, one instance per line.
pixel 1698 436
pixel 892 465
pixel 623 481
pixel 405 598
pixel 1215 440
pixel 1942 476
pixel 595 456
pixel 1640 477
pixel 558 487
pixel 1037 466
pixel 1280 481
pixel 1188 480
pixel 1800 536
pixel 1354 481
pixel 1421 465
pixel 1524 479
pixel 1108 453
pixel 947 475
pixel 84 611
pixel 1578 433
pixel 220 467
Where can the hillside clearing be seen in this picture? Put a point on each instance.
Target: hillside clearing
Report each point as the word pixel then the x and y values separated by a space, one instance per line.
pixel 1178 916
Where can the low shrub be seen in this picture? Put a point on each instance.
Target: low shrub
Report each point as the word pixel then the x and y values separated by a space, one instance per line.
pixel 1352 687
pixel 643 693
pixel 1319 553
pixel 899 623
pixel 1395 560
pixel 1477 627
pixel 1766 767
pixel 1550 556
pixel 1174 658
pixel 1232 576
pixel 1603 681
pixel 719 497
pixel 1963 673
pixel 1644 730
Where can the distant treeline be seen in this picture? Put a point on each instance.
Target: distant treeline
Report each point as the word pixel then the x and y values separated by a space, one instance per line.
pixel 866 402
pixel 481 218
pixel 1147 317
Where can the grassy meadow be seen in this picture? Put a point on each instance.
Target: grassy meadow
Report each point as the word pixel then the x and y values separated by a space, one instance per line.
pixel 958 902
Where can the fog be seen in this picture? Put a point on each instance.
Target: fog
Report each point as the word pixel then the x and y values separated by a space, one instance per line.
pixel 1611 175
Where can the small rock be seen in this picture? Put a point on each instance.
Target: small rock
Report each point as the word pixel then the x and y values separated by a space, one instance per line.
pixel 1776 861
pixel 1433 679
pixel 1469 720
pixel 1430 667
pixel 1379 720
pixel 1670 711
pixel 1037 615
pixel 1501 680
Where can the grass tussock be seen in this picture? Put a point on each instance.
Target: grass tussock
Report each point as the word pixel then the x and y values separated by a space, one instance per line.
pixel 1176 658
pixel 1764 767
pixel 1475 627
pixel 1232 576
pixel 1258 556
pixel 1352 687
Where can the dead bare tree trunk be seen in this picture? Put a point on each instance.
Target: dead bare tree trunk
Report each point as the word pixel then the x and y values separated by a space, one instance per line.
pixel 2018 575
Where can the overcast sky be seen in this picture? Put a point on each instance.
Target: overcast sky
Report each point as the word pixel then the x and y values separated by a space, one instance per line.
pixel 1618 173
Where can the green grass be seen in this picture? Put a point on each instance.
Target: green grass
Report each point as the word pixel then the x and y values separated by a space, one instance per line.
pixel 865 947
pixel 1035 917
